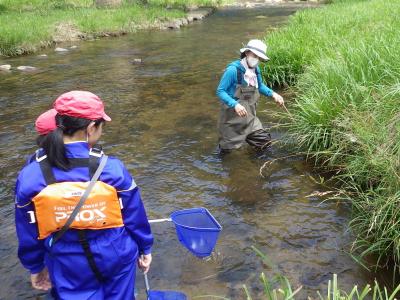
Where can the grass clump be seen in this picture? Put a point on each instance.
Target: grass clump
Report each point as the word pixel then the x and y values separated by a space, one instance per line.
pixel 344 63
pixel 280 288
pixel 28 25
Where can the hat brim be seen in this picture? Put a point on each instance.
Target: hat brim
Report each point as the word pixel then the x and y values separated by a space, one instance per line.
pixel 258 53
pixel 106 117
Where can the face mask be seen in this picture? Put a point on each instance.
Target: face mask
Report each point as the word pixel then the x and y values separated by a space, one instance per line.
pixel 252 61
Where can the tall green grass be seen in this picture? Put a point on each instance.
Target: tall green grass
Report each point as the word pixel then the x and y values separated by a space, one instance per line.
pixel 28 25
pixel 344 63
pixel 279 288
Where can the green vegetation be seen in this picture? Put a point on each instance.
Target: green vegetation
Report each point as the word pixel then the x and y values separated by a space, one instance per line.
pixel 279 288
pixel 28 25
pixel 284 291
pixel 343 60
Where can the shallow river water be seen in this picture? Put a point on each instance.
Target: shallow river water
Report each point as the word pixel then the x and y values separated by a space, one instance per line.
pixel 164 128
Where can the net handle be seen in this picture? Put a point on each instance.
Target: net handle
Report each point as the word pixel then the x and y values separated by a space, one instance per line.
pixel 160 220
pixel 146 282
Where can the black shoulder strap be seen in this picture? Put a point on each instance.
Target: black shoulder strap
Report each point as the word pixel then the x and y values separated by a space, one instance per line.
pixel 89 255
pixel 47 171
pixel 95 154
pixel 92 162
pixel 239 75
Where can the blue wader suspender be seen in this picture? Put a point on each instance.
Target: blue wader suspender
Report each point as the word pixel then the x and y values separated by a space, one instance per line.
pixel 92 162
pixel 239 75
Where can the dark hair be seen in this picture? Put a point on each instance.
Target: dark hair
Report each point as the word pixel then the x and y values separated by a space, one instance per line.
pixel 40 139
pixel 243 54
pixel 53 143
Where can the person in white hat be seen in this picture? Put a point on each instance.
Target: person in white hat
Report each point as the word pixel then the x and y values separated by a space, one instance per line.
pixel 239 90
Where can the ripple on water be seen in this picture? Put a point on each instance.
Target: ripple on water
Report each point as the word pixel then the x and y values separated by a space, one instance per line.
pixel 164 115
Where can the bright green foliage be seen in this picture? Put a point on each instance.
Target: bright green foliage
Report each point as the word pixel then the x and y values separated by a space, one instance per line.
pixel 27 25
pixel 344 61
pixel 185 3
pixel 279 288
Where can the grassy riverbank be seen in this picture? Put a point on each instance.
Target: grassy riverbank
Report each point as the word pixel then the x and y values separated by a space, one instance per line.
pixel 344 62
pixel 28 25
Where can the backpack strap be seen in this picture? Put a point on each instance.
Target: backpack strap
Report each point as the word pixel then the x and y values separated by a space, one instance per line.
pixel 92 162
pixel 89 255
pixel 95 153
pixel 47 171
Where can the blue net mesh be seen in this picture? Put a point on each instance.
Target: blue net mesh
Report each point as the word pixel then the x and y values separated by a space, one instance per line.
pixel 197 230
pixel 166 295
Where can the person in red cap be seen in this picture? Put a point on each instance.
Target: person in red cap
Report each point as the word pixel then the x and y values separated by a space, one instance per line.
pixel 92 255
pixel 45 124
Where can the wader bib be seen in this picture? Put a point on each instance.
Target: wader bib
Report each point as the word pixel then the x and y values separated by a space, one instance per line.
pixel 234 130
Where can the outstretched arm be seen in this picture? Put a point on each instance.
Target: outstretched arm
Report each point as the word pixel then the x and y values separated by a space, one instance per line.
pixel 266 91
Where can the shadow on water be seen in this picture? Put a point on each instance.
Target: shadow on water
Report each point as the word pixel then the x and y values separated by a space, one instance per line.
pixel 164 128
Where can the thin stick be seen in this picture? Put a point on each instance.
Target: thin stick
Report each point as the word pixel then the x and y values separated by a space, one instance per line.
pixel 284 106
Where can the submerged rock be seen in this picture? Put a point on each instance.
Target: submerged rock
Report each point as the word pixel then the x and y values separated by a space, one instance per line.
pixel 42 55
pixel 26 68
pixel 5 67
pixel 73 47
pixel 58 49
pixel 137 61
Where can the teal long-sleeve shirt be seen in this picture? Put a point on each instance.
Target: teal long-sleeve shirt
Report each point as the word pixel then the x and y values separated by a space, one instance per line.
pixel 227 85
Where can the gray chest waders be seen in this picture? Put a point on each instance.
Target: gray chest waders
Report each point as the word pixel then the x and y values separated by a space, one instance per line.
pixel 234 130
pixel 95 163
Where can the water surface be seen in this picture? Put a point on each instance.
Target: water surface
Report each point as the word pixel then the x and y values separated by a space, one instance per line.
pixel 164 128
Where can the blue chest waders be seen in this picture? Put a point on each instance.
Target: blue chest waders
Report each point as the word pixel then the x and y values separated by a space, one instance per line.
pixel 93 164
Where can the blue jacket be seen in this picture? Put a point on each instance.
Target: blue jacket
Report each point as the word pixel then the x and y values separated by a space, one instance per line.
pixel 227 85
pixel 30 182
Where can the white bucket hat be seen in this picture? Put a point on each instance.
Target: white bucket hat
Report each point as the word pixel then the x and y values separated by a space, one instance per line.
pixel 257 47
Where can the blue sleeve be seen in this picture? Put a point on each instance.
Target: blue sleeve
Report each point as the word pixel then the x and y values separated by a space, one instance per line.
pixel 228 79
pixel 264 90
pixel 30 250
pixel 134 215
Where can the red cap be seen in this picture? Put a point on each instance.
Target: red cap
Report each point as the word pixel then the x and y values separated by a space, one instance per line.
pixel 46 122
pixel 81 104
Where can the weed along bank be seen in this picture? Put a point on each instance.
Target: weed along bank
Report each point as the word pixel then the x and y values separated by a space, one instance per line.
pixel 205 224
pixel 29 26
pixel 345 114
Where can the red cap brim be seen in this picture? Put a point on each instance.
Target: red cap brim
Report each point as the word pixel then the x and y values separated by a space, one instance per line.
pixel 106 117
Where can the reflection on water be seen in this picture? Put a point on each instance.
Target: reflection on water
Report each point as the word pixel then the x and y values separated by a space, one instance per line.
pixel 164 128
